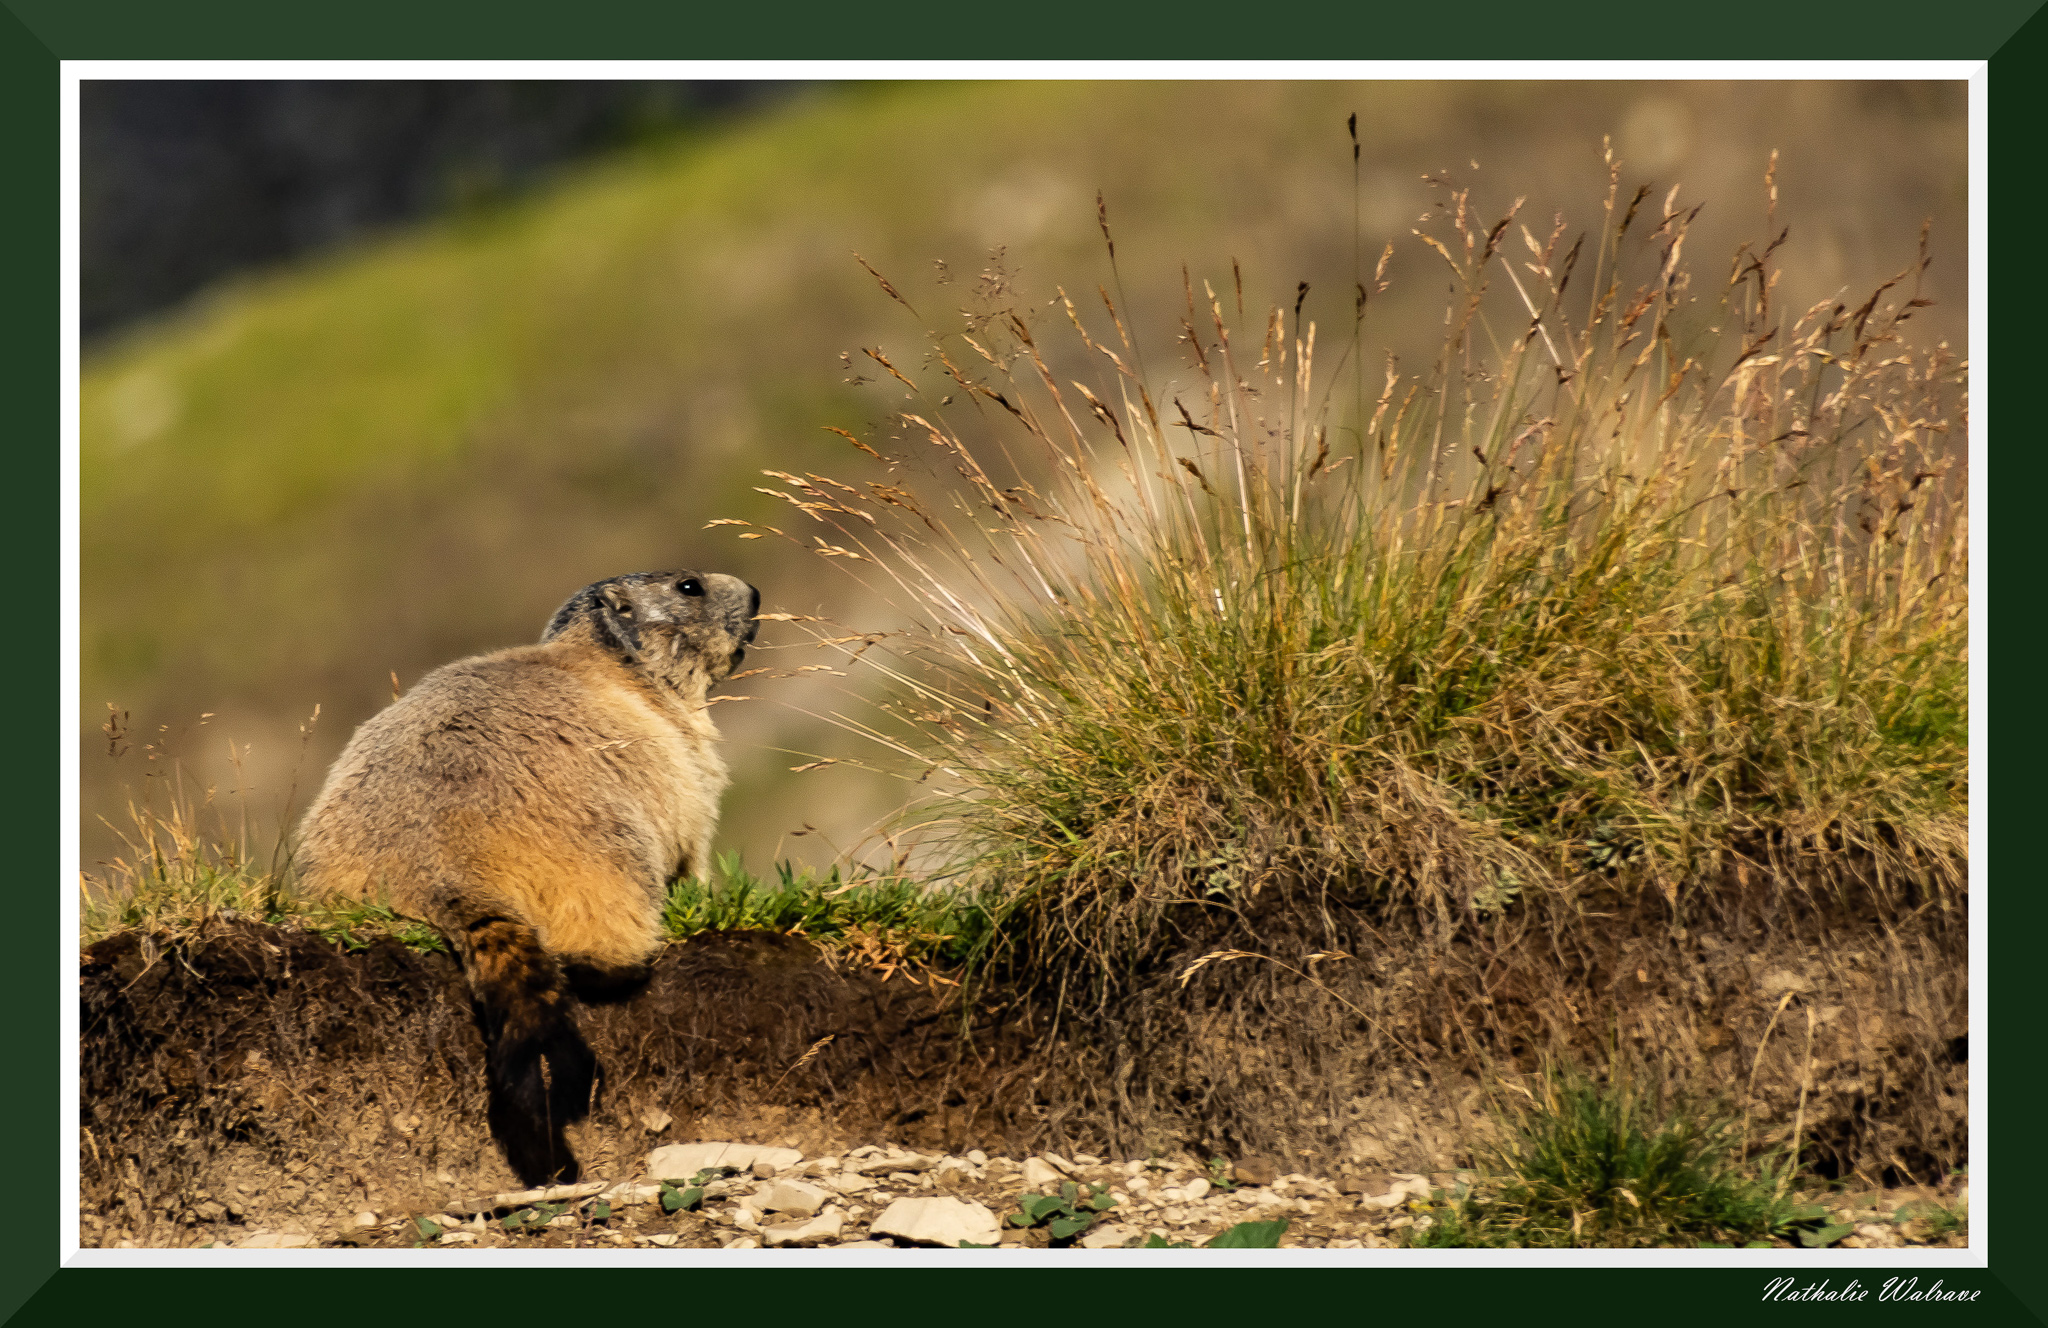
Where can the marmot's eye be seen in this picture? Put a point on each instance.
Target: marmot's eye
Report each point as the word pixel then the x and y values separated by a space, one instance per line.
pixel 690 585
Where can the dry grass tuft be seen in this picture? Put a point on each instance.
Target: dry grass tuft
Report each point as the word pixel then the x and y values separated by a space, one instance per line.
pixel 1644 585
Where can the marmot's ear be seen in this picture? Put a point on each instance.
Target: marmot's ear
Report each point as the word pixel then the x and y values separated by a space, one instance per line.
pixel 618 621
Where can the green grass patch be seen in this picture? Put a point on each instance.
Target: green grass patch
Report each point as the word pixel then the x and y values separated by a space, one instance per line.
pixel 882 916
pixel 1586 1163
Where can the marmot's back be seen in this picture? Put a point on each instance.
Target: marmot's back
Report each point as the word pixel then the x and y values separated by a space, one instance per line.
pixel 533 804
pixel 554 746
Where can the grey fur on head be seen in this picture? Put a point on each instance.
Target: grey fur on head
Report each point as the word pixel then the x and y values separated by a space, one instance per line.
pixel 656 619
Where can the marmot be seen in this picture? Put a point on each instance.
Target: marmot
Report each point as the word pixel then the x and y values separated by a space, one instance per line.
pixel 533 805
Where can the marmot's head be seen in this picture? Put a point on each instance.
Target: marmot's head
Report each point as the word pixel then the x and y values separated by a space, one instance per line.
pixel 679 626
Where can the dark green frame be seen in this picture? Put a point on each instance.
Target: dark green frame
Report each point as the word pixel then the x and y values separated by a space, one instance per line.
pixel 36 34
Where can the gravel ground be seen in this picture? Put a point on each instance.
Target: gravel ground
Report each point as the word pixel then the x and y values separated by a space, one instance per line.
pixel 876 1197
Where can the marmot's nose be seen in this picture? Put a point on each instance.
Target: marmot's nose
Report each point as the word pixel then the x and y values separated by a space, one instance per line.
pixel 731 593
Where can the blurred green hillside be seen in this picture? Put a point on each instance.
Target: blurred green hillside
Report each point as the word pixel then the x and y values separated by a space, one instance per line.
pixel 371 464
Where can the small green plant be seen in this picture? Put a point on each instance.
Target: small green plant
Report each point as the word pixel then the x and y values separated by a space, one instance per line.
pixel 1250 1236
pixel 1585 1163
pixel 679 1196
pixel 1064 1215
pixel 426 1231
pixel 1243 1236
pixel 535 1218
pixel 1219 1174
pixel 1929 1220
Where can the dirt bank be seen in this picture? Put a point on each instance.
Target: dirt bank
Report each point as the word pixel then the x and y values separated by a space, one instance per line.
pixel 254 1078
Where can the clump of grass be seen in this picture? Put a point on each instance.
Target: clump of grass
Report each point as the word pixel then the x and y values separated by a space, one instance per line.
pixel 1585 1163
pixel 1640 584
pixel 887 919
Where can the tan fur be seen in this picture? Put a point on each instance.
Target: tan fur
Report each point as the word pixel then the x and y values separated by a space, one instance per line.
pixel 533 805
pixel 556 782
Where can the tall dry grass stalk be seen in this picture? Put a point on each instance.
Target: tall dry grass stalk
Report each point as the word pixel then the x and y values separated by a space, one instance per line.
pixel 1643 582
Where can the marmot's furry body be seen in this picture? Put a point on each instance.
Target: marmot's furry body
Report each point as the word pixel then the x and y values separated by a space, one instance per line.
pixel 533 805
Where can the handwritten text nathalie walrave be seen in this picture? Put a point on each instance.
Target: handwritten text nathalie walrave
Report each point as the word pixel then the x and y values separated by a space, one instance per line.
pixel 1894 1289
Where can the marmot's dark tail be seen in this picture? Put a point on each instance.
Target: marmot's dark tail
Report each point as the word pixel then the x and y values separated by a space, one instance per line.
pixel 528 1019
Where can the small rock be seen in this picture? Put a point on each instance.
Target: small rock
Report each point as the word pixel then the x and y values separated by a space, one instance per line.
pixel 1065 1167
pixel 565 1221
pixel 521 1198
pixel 764 1169
pixel 1255 1171
pixel 1415 1187
pixel 1784 980
pixel 825 1226
pixel 792 1196
pixel 682 1161
pixel 627 1193
pixel 846 1182
pixel 743 1243
pixel 1174 1216
pixel 1087 1160
pixel 366 1218
pixel 457 1238
pixel 1039 1172
pixel 276 1240
pixel 977 1157
pixel 1371 1182
pixel 211 1211
pixel 1195 1190
pixel 656 1120
pixel 665 1239
pixel 937 1221
pixel 1108 1238
pixel 875 1165
pixel 865 1245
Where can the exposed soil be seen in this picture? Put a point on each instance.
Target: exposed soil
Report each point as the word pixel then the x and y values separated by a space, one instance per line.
pixel 254 1079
